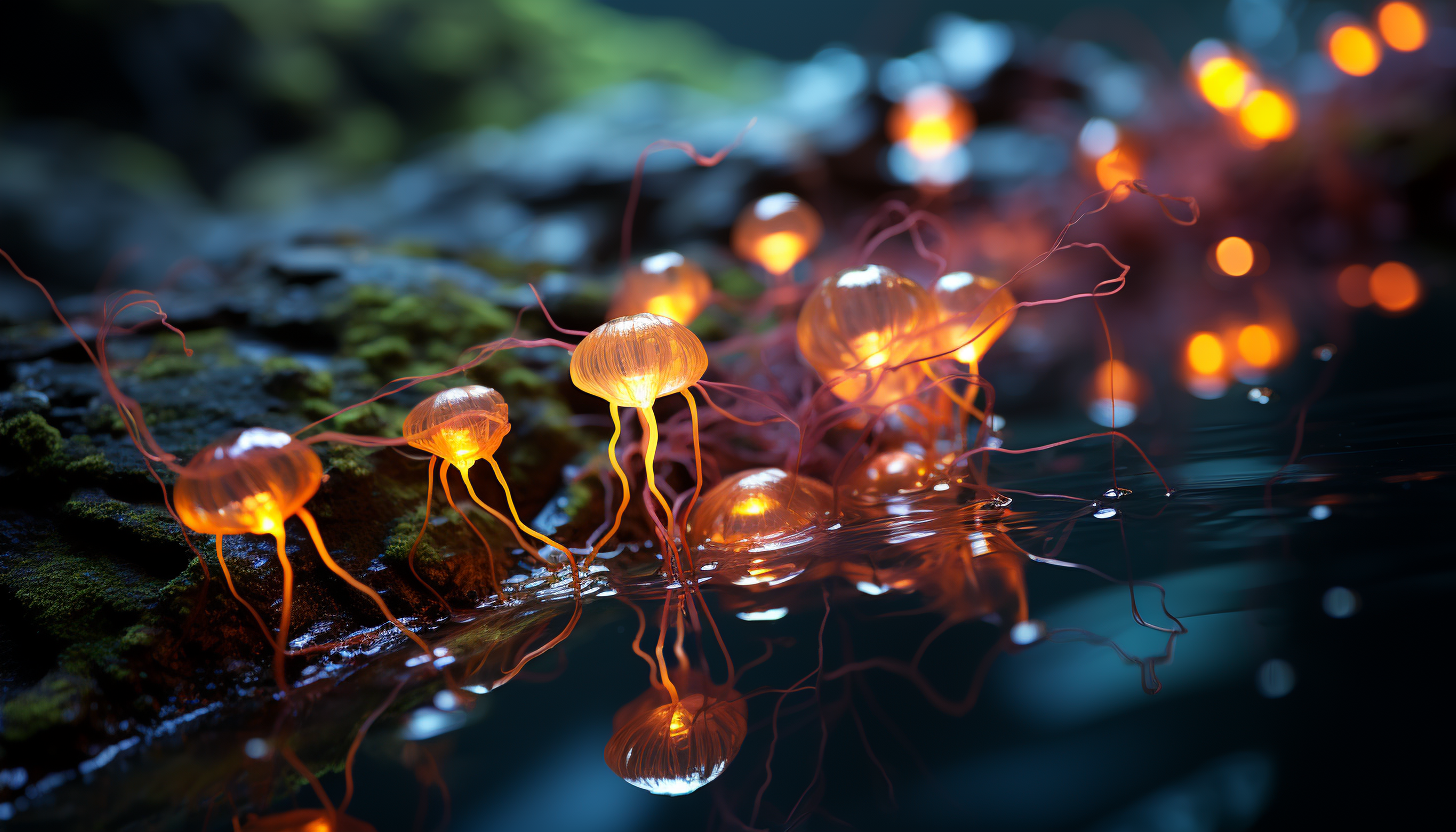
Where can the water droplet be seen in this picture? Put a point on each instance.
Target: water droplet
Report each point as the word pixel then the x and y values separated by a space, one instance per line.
pixel 1116 493
pixel 1340 602
pixel 1105 512
pixel 1261 395
pixel 1319 512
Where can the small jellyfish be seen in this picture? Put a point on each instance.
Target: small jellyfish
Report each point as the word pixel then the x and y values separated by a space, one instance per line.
pixel 979 308
pixel 890 476
pixel 463 425
pixel 665 284
pixel 776 232
pixel 632 362
pixel 250 482
pixel 677 739
pixel 755 508
pixel 859 324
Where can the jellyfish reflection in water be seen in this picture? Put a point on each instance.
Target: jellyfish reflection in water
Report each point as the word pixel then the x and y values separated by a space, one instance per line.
pixel 674 741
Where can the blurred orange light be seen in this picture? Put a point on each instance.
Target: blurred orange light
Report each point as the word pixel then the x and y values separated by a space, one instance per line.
pixel 1224 81
pixel 1394 287
pixel 1258 345
pixel 1268 115
pixel 1115 167
pixel 1235 256
pixel 931 121
pixel 1205 354
pixel 1353 285
pixel 779 251
pixel 1354 49
pixel 1402 25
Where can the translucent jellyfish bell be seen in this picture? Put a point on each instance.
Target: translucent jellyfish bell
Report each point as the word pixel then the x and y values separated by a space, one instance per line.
pixel 249 481
pixel 862 320
pixel 665 284
pixel 633 361
pixel 776 232
pixel 759 506
pixel 677 748
pixel 890 475
pixel 960 295
pixel 459 425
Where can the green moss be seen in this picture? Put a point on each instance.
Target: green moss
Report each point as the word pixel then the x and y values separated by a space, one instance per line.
pixel 73 598
pixel 57 699
pixel 386 354
pixel 29 439
pixel 35 446
pixel 288 378
pixel 147 528
pixel 402 538
pixel 165 366
pixel 350 462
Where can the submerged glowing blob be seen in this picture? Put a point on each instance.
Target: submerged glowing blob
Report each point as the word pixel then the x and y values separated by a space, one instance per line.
pixel 677 748
pixel 861 322
pixel 1354 49
pixel 757 507
pixel 460 425
pixel 249 481
pixel 930 121
pixel 1268 116
pixel 776 232
pixel 665 284
pixel 972 304
pixel 1234 256
pixel 1205 354
pixel 636 360
pixel 1114 394
pixel 1402 25
pixel 1394 287
pixel 1223 81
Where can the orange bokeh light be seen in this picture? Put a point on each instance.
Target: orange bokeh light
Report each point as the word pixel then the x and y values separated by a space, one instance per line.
pixel 1402 25
pixel 1258 345
pixel 1394 287
pixel 1224 81
pixel 1234 256
pixel 931 121
pixel 1117 166
pixel 1353 285
pixel 1205 354
pixel 1354 49
pixel 1268 116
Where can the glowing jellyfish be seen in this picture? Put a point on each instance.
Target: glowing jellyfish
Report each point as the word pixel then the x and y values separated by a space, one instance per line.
pixel 677 740
pixel 462 426
pixel 980 308
pixel 1234 256
pixel 776 232
pixel 858 326
pixel 758 508
pixel 1394 287
pixel 1268 116
pixel 1114 394
pixel 665 284
pixel 1354 49
pixel 930 121
pixel 632 362
pixel 1402 25
pixel 250 482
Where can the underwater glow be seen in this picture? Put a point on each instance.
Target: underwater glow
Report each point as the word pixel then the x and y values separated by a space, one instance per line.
pixel 1402 25
pixel 1234 256
pixel 671 746
pixel 1354 49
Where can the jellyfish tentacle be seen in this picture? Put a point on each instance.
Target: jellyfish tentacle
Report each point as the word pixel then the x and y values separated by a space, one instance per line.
pixel 511 504
pixel 649 458
pixel 318 542
pixel 318 788
pixel 489 550
pixel 227 576
pixel 504 520
pixel 287 613
pixel 661 661
pixel 429 498
pixel 622 475
pixel 697 468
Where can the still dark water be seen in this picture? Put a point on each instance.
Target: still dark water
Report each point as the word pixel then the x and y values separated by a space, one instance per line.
pixel 1312 605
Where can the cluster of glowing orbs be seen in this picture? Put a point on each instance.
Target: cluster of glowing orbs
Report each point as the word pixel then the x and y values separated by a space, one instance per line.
pixel 1354 49
pixel 755 508
pixel 1234 256
pixel 856 327
pixel 1223 81
pixel 635 360
pixel 460 425
pixel 1114 394
pixel 1392 286
pixel 972 304
pixel 1402 25
pixel 675 748
pixel 249 481
pixel 930 121
pixel 776 232
pixel 665 284
pixel 1268 115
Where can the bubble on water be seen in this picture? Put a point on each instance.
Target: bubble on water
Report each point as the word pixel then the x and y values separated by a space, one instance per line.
pixel 1027 632
pixel 1275 678
pixel 1319 512
pixel 1261 395
pixel 1340 602
pixel 1104 513
pixel 1116 493
pixel 257 748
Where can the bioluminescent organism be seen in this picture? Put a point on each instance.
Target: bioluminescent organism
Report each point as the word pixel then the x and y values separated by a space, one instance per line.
pixel 665 284
pixel 1268 115
pixel 1402 25
pixel 675 739
pixel 250 482
pixel 930 121
pixel 976 311
pixel 1223 80
pixel 891 476
pixel 776 232
pixel 633 362
pixel 1234 256
pixel 758 509
pixel 856 329
pixel 1206 366
pixel 462 426
pixel 1353 49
